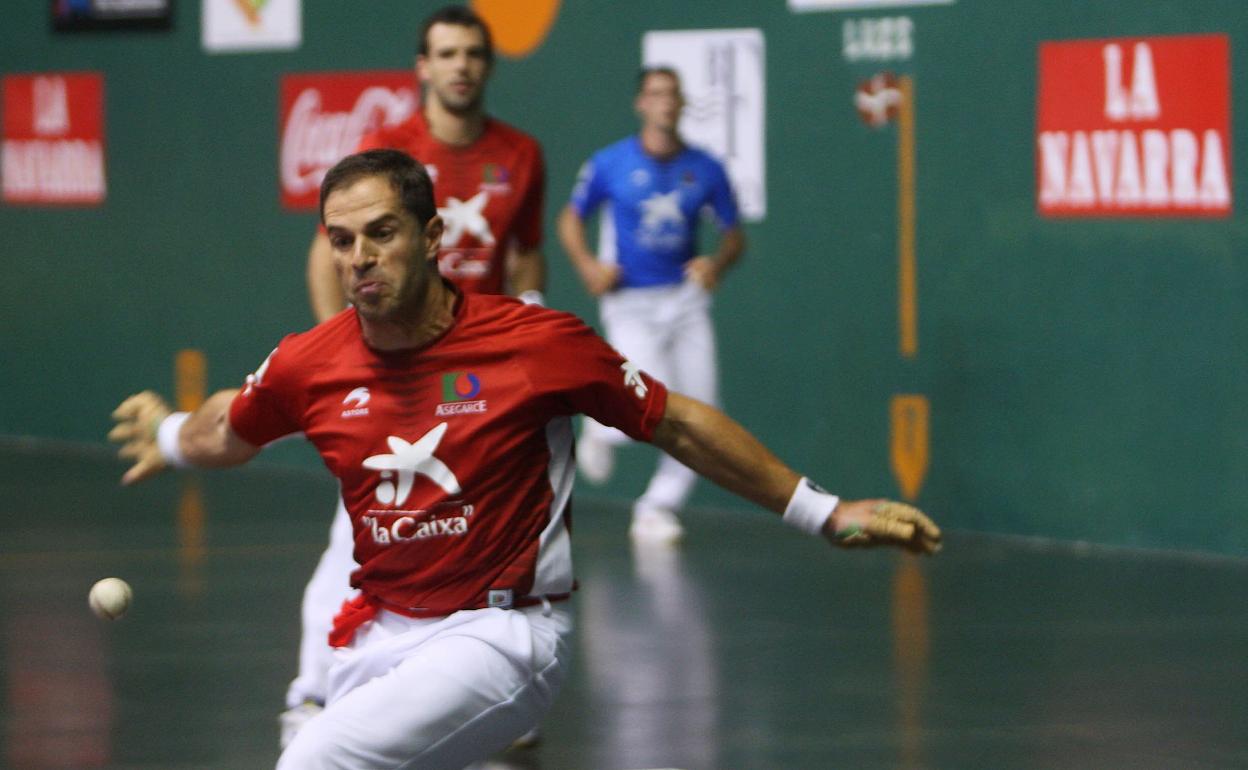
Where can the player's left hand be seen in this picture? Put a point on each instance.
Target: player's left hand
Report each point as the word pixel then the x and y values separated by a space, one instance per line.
pixel 137 419
pixel 704 271
pixel 859 523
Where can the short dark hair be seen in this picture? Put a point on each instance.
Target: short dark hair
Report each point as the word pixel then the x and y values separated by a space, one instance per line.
pixel 663 69
pixel 407 177
pixel 459 16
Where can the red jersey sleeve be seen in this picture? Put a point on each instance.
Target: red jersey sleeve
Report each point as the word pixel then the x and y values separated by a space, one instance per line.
pixel 584 375
pixel 529 221
pixel 264 409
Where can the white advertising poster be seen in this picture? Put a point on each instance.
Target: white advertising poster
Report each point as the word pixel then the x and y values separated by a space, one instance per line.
pixel 801 6
pixel 723 78
pixel 251 25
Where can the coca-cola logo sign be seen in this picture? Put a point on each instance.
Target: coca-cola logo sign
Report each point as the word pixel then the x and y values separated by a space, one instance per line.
pixel 324 116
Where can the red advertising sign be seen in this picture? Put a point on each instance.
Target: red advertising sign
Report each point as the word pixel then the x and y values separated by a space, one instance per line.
pixel 1134 127
pixel 323 117
pixel 53 146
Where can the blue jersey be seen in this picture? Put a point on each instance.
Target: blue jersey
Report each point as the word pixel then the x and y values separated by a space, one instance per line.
pixel 654 208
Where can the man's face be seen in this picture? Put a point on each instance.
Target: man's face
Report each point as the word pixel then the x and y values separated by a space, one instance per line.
pixel 455 69
pixel 383 256
pixel 659 103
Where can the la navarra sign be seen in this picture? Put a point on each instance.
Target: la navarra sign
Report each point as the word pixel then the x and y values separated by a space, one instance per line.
pixel 1134 127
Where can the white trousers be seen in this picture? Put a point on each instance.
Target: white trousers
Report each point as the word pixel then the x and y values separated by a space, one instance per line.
pixel 667 331
pixel 435 694
pixel 323 597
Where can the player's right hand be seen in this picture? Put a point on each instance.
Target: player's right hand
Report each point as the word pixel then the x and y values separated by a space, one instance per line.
pixel 860 523
pixel 601 278
pixel 137 419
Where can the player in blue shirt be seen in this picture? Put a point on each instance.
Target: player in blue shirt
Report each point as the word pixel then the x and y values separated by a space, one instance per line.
pixel 654 289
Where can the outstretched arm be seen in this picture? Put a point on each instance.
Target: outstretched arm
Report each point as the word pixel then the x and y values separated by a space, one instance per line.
pixel 717 447
pixel 155 438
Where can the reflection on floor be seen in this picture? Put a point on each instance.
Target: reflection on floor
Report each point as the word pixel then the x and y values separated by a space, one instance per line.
pixel 748 647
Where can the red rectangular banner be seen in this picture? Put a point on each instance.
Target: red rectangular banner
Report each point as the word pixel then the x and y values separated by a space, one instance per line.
pixel 1134 127
pixel 53 146
pixel 323 117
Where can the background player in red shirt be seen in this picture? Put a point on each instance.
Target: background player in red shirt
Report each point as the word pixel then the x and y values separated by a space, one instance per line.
pixel 458 478
pixel 489 176
pixel 489 181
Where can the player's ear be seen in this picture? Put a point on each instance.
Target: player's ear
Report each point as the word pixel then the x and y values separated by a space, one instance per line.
pixel 432 237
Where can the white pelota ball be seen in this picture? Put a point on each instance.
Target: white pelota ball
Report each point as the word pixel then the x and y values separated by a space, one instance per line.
pixel 110 598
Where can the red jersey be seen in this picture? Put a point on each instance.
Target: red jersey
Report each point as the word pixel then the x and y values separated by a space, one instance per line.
pixel 456 458
pixel 489 195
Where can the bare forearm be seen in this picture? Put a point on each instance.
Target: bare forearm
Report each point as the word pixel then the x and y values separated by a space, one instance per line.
pixel 572 238
pixel 526 271
pixel 598 277
pixel 731 246
pixel 324 286
pixel 207 440
pixel 155 439
pixel 717 447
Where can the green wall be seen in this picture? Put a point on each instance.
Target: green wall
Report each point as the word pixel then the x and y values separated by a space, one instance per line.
pixel 1088 379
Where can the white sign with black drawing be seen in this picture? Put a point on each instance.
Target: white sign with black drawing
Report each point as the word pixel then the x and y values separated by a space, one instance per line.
pixel 722 74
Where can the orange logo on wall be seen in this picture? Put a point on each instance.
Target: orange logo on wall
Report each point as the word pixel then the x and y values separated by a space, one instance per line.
pixel 518 26
pixel 251 9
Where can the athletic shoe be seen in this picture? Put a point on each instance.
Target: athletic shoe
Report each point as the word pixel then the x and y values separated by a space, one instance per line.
pixel 595 457
pixel 293 719
pixel 652 524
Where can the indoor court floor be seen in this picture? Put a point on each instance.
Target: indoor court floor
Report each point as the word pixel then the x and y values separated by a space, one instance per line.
pixel 750 646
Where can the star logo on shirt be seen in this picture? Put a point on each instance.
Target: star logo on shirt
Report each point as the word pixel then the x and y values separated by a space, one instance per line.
pixel 632 379
pixel 407 460
pixel 660 208
pixel 466 217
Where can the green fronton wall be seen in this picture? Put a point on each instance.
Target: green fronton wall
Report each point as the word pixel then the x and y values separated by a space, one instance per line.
pixel 1087 378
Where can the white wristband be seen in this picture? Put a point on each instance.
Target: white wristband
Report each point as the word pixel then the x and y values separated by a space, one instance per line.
pixel 532 297
pixel 167 439
pixel 810 507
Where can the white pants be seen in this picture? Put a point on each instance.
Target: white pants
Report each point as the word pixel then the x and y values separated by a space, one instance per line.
pixel 323 597
pixel 439 693
pixel 667 331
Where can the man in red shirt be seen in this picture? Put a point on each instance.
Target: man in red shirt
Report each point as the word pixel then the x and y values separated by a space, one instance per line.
pixel 489 176
pixel 446 418
pixel 490 181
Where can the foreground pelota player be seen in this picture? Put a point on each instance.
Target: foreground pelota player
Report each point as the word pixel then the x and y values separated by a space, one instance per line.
pixel 457 473
pixel 490 185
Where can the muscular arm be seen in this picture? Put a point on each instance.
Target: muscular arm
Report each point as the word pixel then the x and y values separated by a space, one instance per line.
pixel 324 287
pixel 205 439
pixel 717 447
pixel 597 277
